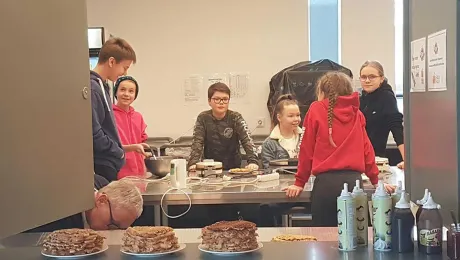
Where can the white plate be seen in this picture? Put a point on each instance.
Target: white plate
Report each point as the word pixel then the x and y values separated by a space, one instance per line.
pixel 181 247
pixel 229 253
pixel 104 248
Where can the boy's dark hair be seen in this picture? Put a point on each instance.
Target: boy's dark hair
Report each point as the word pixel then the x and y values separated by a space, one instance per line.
pixel 117 48
pixel 218 87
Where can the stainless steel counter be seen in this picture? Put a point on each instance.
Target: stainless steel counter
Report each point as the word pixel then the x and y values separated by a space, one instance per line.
pixel 26 246
pixel 185 235
pixel 270 251
pixel 261 192
pixel 192 235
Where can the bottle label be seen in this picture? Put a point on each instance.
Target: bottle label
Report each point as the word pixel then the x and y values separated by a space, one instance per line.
pixel 381 215
pixel 346 224
pixel 362 220
pixel 431 237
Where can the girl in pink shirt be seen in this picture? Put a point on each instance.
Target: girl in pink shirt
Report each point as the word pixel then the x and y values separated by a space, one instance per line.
pixel 131 127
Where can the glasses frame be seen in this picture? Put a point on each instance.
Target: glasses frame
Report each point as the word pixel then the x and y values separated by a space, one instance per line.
pixel 366 78
pixel 112 225
pixel 219 100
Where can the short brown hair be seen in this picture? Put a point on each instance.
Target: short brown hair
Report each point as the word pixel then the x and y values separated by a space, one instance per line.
pixel 218 87
pixel 334 84
pixel 117 48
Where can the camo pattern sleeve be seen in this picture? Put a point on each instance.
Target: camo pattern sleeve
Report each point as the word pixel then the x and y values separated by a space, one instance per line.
pixel 245 138
pixel 199 134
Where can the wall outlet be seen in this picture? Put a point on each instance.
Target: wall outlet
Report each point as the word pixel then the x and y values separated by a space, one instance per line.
pixel 261 122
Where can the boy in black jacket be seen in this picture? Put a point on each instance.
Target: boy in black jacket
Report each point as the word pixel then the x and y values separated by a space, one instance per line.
pixel 115 58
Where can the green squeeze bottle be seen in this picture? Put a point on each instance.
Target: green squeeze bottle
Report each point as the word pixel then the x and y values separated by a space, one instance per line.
pixel 346 212
pixel 362 214
pixel 381 215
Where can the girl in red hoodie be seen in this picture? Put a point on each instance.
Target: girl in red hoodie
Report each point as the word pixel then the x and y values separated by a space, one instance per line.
pixel 335 147
pixel 131 127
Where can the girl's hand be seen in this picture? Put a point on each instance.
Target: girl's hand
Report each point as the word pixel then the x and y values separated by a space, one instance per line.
pixel 293 191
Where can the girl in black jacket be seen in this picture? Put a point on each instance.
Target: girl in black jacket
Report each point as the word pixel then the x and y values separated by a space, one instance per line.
pixel 378 104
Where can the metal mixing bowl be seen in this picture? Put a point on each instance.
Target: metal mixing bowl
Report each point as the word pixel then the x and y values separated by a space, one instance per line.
pixel 159 166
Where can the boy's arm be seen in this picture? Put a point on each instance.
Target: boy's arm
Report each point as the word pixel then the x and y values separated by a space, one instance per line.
pixel 246 140
pixel 101 142
pixel 199 134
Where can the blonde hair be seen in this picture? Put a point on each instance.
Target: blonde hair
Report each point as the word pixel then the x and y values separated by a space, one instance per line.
pixel 333 84
pixel 373 64
pixel 124 194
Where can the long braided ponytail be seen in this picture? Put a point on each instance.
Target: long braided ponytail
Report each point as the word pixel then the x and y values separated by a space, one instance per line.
pixel 332 85
pixel 330 115
pixel 332 96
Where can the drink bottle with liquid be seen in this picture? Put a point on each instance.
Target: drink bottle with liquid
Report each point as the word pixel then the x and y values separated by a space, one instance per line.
pixel 429 228
pixel 417 214
pixel 402 225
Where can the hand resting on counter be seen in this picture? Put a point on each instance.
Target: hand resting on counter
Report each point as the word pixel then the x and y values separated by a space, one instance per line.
pixel 293 191
pixel 252 166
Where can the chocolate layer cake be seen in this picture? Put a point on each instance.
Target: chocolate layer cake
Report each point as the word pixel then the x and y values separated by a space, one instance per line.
pixel 68 242
pixel 229 236
pixel 149 240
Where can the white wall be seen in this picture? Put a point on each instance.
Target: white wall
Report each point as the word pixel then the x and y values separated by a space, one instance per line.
pixel 175 38
pixel 368 33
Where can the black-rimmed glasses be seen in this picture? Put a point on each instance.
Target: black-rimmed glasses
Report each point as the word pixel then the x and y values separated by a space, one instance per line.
pixel 112 224
pixel 218 100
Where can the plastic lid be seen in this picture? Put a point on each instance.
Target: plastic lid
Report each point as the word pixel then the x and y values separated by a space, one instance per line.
pixel 380 191
pixel 399 189
pixel 345 191
pixel 357 189
pixel 403 203
pixel 430 204
pixel 424 199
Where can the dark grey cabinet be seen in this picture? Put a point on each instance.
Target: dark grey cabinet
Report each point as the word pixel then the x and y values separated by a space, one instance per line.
pixel 46 164
pixel 432 118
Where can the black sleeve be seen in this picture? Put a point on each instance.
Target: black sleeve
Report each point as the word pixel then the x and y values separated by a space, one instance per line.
pixel 394 118
pixel 100 182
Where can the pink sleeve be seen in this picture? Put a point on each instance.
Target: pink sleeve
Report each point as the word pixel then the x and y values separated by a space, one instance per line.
pixel 144 135
pixel 307 147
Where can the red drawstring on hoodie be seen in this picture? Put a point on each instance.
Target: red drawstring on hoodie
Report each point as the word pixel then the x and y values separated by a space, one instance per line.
pixel 330 137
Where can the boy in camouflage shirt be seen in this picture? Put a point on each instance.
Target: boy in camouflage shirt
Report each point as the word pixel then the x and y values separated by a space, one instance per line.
pixel 219 132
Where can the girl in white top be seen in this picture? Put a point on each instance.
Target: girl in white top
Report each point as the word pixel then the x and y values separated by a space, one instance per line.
pixel 284 140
